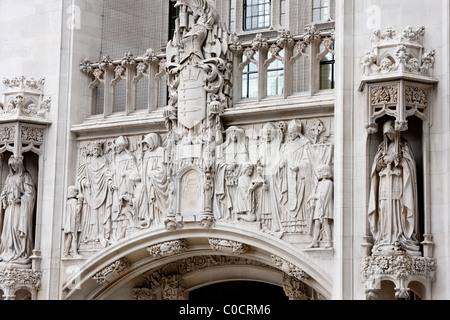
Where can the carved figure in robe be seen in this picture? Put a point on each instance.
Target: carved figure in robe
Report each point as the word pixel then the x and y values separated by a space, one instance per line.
pixel 231 156
pixel 96 182
pixel 122 166
pixel 321 204
pixel 393 205
pixel 139 202
pixel 320 151
pixel 18 203
pixel 208 194
pixel 245 202
pixel 155 176
pixel 72 224
pixel 296 175
pixel 268 160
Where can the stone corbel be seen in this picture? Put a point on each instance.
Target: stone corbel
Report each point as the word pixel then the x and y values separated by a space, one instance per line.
pixel 401 269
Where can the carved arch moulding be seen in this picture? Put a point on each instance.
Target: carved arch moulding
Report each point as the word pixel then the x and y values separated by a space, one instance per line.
pixel 167 266
pixel 398 84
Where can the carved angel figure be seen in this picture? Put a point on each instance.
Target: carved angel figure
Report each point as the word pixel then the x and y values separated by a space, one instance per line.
pixel 393 206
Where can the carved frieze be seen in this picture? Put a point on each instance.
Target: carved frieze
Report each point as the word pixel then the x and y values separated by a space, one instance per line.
pixel 275 177
pixel 170 275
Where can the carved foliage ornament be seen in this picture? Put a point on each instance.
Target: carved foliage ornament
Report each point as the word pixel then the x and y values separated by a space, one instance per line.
pixel 402 53
pixel 20 277
pixel 398 266
pixel 234 247
pixel 168 248
pixel 289 268
pixel 112 271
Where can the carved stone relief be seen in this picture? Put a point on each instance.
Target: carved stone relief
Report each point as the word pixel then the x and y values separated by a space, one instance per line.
pixel 167 248
pixel 112 271
pixel 162 283
pixel 11 280
pixel 289 268
pixel 234 247
pixel 24 98
pixel 275 177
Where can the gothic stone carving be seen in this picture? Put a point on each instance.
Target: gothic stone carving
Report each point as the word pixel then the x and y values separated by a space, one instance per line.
pixel 17 208
pixel 268 179
pixel 295 289
pixel 112 271
pixel 393 207
pixel 24 97
pixel 391 58
pixel 172 273
pixel 167 248
pixel 289 268
pixel 277 179
pixel 400 269
pixel 12 280
pixel 72 224
pixel 234 247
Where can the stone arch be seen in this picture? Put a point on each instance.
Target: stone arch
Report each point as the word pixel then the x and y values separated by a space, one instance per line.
pixel 126 262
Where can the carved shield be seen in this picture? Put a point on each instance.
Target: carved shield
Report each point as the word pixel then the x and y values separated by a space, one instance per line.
pixel 191 97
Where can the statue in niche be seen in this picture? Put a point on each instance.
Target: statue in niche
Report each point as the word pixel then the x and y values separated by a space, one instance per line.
pixel 18 202
pixel 268 160
pixel 97 185
pixel 156 178
pixel 72 224
pixel 393 206
pixel 245 202
pixel 296 175
pixel 231 156
pixel 321 205
pixel 123 166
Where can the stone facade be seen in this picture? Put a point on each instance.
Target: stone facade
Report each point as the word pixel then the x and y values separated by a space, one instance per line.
pixel 304 149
